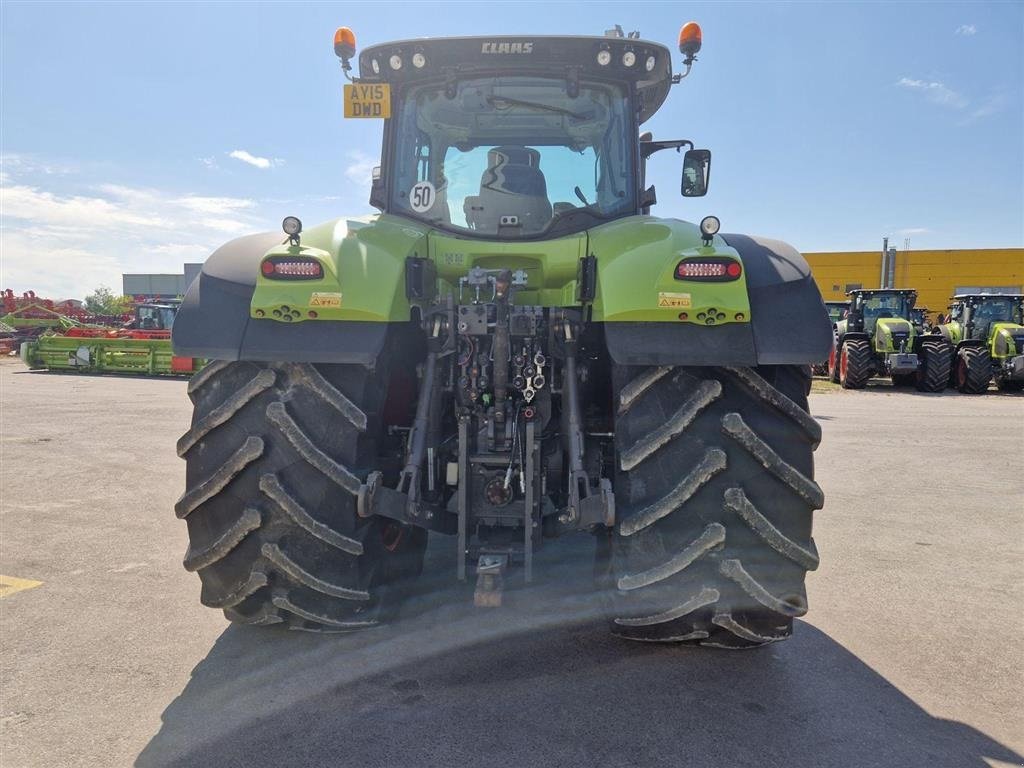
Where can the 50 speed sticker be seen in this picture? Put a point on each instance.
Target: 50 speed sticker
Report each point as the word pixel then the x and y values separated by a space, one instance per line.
pixel 674 300
pixel 422 196
pixel 325 300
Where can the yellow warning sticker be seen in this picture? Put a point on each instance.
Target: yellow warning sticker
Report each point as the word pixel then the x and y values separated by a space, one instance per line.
pixel 674 300
pixel 368 100
pixel 325 300
pixel 9 585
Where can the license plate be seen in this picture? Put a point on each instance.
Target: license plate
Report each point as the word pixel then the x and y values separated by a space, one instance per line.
pixel 373 101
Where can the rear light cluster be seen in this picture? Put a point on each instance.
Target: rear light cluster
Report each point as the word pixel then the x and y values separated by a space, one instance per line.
pixel 709 270
pixel 292 269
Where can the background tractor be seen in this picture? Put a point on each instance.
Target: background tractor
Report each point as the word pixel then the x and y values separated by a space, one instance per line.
pixel 879 337
pixel 986 335
pixel 513 350
pixel 836 312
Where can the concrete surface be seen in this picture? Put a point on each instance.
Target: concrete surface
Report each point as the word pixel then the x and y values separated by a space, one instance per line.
pixel 910 655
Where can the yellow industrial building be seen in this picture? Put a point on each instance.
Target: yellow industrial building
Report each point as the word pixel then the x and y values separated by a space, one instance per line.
pixel 936 275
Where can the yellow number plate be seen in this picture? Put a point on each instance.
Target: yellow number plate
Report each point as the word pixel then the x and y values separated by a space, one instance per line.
pixel 674 300
pixel 368 100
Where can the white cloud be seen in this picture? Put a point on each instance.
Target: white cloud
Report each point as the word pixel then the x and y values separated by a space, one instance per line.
pixel 208 162
pixel 913 231
pixel 262 163
pixel 966 30
pixel 63 242
pixel 359 168
pixel 936 92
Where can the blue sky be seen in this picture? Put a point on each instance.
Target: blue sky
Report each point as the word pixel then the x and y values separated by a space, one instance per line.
pixel 136 137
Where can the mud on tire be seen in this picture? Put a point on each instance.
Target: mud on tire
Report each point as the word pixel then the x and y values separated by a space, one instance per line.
pixel 274 458
pixel 714 499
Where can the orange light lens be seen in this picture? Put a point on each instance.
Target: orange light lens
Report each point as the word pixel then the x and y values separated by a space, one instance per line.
pixel 344 43
pixel 689 38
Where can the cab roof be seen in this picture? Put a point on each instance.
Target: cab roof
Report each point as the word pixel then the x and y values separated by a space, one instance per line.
pixel 905 291
pixel 540 55
pixel 965 296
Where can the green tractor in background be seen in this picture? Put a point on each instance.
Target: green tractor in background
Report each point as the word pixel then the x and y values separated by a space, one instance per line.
pixel 513 350
pixel 986 333
pixel 836 311
pixel 879 337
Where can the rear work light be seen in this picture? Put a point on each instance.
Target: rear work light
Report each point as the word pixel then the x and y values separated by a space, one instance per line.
pixel 714 269
pixel 291 268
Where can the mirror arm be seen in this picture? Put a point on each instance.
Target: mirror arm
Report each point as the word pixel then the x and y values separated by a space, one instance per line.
pixel 648 148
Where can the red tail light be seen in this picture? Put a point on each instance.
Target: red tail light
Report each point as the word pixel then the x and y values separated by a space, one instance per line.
pixel 291 268
pixel 714 269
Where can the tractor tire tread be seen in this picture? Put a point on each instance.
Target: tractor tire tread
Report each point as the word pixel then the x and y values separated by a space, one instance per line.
pixel 713 541
pixel 270 496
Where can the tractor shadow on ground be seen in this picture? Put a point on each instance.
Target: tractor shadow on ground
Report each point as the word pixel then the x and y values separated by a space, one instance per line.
pixel 540 681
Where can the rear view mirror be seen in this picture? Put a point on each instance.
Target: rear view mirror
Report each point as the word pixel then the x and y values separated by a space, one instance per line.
pixel 696 172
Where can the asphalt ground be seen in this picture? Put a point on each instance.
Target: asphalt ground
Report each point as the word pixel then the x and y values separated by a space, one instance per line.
pixel 910 654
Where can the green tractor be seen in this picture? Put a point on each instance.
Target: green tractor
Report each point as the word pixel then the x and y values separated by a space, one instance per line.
pixel 986 333
pixel 879 337
pixel 836 311
pixel 513 350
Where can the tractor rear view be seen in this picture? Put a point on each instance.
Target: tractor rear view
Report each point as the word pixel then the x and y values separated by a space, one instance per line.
pixel 879 337
pixel 512 351
pixel 986 334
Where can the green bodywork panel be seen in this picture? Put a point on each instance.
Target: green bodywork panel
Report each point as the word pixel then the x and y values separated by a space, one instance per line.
pixel 1000 340
pixel 364 271
pixel 954 331
pixel 882 339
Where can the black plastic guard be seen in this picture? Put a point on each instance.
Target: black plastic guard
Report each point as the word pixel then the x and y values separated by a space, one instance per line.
pixel 214 323
pixel 789 324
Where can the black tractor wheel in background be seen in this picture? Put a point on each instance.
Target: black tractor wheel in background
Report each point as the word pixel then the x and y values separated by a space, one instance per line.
pixel 274 459
pixel 714 494
pixel 904 379
pixel 973 370
pixel 935 357
pixel 855 364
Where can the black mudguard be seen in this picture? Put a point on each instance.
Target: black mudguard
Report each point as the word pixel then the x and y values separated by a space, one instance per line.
pixel 214 323
pixel 789 324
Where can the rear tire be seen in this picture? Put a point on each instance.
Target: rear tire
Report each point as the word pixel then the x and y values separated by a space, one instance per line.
pixel 714 494
pixel 274 458
pixel 855 364
pixel 973 370
pixel 933 369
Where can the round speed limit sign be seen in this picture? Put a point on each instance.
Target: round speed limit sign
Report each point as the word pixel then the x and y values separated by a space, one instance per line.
pixel 422 196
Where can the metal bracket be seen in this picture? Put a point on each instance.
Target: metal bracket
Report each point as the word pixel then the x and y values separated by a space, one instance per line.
pixel 374 498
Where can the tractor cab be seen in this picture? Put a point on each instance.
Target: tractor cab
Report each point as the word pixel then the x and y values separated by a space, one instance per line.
pixel 519 138
pixel 837 310
pixel 867 307
pixel 154 317
pixel 977 313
